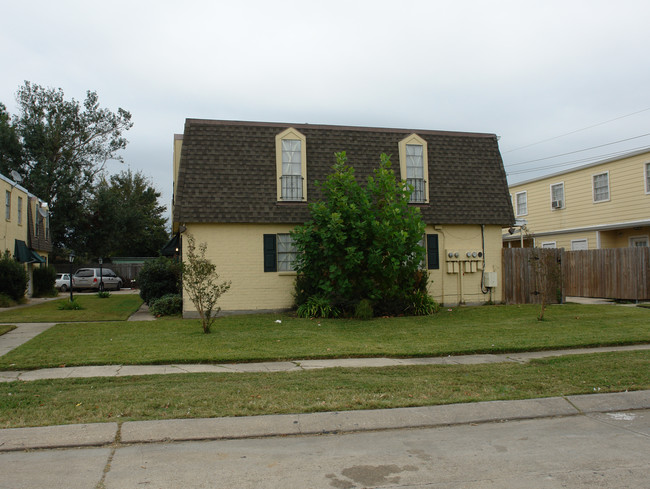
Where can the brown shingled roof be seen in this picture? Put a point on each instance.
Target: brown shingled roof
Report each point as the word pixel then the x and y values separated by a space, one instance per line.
pixel 227 171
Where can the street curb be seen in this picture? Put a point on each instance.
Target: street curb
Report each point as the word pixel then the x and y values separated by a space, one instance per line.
pixel 176 430
pixel 65 436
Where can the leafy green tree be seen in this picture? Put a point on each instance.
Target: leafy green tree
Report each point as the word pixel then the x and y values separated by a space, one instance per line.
pixel 125 217
pixel 200 282
pixel 65 145
pixel 11 151
pixel 361 242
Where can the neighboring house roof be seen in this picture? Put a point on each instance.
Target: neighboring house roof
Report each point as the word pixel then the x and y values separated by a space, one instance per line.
pixel 227 171
pixel 582 167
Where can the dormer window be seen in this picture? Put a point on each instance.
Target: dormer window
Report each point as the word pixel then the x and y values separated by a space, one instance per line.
pixel 414 167
pixel 291 155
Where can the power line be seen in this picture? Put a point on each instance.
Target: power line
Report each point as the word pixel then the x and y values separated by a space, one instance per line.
pixel 583 160
pixel 577 130
pixel 579 150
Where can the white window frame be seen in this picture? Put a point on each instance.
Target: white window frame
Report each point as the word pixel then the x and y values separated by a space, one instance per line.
pixel 291 134
pixel 582 240
pixel 286 253
pixel 563 201
pixel 19 210
pixel 525 193
pixel 415 140
pixel 7 205
pixel 549 244
pixel 593 187
pixel 634 239
pixel 646 168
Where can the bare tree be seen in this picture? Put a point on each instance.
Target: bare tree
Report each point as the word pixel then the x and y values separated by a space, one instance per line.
pixel 200 282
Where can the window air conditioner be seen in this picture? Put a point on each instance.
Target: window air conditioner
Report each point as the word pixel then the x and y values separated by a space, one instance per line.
pixel 556 204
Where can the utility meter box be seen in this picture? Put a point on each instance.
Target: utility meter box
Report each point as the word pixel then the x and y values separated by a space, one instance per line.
pixel 490 279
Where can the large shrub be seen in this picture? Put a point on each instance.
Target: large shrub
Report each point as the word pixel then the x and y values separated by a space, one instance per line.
pixel 361 243
pixel 13 277
pixel 43 280
pixel 159 277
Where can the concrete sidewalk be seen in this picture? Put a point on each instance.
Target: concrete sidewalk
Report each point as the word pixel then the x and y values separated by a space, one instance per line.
pixel 292 366
pixel 132 432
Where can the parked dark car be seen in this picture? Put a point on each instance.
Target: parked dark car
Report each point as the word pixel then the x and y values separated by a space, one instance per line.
pixel 89 278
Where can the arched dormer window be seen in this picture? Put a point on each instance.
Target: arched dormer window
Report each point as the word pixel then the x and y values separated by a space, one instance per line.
pixel 291 165
pixel 414 167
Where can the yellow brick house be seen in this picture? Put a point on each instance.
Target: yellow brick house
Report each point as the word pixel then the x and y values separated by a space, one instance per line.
pixel 605 204
pixel 24 230
pixel 241 187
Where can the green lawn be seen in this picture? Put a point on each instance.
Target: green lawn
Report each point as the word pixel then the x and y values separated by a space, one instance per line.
pixel 486 329
pixel 68 401
pixel 117 307
pixel 5 328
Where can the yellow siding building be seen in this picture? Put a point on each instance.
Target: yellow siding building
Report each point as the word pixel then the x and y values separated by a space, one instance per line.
pixel 600 205
pixel 24 227
pixel 241 187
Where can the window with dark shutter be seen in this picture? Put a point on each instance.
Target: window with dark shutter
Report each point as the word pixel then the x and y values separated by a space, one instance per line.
pixel 433 255
pixel 270 261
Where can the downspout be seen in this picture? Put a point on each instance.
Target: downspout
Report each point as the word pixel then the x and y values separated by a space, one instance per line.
pixel 443 272
pixel 484 289
pixel 461 299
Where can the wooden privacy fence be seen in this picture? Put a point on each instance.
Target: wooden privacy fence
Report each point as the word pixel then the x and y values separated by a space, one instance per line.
pixel 616 273
pixel 531 275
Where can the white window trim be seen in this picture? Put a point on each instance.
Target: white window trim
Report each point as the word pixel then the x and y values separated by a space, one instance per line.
pixel 415 140
pixel 291 133
pixel 7 205
pixel 593 188
pixel 19 210
pixel 549 244
pixel 582 240
pixel 550 188
pixel 644 237
pixel 517 203
pixel 646 181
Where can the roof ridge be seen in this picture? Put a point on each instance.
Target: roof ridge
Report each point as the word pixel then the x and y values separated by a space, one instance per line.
pixel 306 125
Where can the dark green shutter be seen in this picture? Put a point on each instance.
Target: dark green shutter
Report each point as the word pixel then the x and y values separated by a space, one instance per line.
pixel 433 254
pixel 270 260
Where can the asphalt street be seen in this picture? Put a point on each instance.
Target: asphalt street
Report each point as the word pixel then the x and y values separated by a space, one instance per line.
pixel 595 450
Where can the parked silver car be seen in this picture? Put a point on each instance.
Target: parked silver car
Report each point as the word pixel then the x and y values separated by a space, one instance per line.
pixel 62 282
pixel 89 278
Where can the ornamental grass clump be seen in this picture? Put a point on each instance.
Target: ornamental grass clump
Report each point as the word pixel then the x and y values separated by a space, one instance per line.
pixel 72 305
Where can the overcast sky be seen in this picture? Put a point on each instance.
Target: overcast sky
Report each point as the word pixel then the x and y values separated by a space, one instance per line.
pixel 528 71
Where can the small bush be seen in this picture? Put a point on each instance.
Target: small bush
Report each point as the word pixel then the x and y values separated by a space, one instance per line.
pixel 159 277
pixel 363 310
pixel 72 305
pixel 43 281
pixel 103 294
pixel 13 277
pixel 318 307
pixel 167 305
pixel 6 301
pixel 422 304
